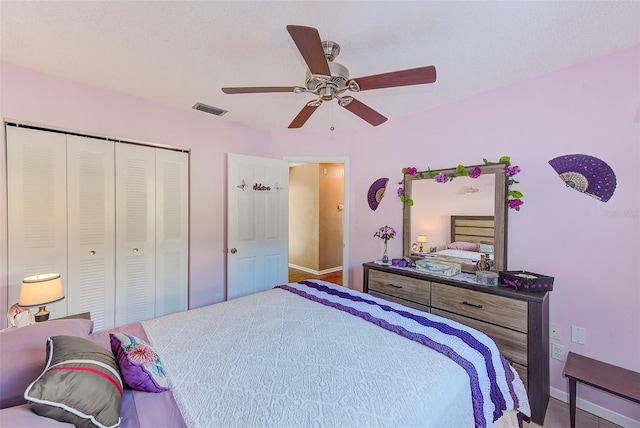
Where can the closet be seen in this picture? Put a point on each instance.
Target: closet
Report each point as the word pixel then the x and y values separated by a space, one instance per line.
pixel 110 217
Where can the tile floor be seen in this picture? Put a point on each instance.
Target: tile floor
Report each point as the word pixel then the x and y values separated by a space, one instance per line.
pixel 558 417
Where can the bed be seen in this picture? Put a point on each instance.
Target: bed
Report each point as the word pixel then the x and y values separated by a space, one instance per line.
pixel 302 354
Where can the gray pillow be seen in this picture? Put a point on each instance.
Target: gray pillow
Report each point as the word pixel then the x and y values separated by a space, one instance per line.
pixel 81 384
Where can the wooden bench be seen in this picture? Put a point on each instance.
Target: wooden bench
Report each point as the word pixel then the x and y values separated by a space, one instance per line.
pixel 606 377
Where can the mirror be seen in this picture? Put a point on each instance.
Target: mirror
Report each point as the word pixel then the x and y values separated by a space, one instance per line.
pixel 458 210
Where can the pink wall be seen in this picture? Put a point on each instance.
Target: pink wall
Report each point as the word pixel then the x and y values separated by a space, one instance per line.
pixel 591 248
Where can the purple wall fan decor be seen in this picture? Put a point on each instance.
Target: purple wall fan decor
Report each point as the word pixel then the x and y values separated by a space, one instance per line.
pixel 376 192
pixel 586 174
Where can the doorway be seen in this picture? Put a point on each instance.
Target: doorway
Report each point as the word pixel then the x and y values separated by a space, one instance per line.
pixel 318 219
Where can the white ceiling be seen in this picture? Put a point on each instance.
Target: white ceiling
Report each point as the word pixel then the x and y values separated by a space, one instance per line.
pixel 182 52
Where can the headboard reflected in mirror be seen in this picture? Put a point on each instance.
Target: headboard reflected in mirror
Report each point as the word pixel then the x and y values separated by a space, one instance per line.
pixel 437 205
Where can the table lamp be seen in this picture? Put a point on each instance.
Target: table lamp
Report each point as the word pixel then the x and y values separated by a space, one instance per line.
pixel 39 290
pixel 422 239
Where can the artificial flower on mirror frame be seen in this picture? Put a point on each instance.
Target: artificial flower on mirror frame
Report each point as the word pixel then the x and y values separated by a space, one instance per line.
pixel 514 197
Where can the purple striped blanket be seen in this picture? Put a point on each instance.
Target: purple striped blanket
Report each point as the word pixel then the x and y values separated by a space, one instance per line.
pixel 495 385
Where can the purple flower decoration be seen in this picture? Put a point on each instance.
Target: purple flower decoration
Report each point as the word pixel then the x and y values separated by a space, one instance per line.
pixel 385 233
pixel 400 191
pixel 476 172
pixel 412 170
pixel 515 204
pixel 510 171
pixel 441 178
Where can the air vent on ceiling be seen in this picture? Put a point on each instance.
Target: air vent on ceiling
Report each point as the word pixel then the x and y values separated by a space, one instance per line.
pixel 209 109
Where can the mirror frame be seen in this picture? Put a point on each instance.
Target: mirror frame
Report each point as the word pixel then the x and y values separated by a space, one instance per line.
pixel 499 212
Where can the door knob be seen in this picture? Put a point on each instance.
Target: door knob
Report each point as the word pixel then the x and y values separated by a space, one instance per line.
pixel 233 251
pixel 135 250
pixel 92 253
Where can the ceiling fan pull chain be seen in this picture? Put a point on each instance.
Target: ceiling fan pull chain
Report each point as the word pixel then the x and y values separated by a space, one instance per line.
pixel 332 127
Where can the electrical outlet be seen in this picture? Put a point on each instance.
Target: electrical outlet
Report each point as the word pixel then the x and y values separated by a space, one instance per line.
pixel 578 335
pixel 555 331
pixel 557 351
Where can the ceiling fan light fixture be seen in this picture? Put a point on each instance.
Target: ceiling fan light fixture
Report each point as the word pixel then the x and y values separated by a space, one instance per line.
pixel 327 92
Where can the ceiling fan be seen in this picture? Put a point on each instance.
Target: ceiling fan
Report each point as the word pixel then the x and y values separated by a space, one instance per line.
pixel 328 80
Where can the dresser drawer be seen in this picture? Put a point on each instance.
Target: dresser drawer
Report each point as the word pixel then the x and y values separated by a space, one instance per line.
pixel 512 344
pixel 404 302
pixel 487 307
pixel 415 290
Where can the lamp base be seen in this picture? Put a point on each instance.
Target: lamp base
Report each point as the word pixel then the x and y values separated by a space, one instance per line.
pixel 41 315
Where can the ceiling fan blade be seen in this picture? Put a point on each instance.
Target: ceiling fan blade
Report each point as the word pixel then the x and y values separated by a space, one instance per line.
pixel 307 39
pixel 364 111
pixel 303 116
pixel 258 89
pixel 412 76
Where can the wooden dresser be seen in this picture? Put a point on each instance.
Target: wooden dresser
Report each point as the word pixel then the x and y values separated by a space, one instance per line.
pixel 517 321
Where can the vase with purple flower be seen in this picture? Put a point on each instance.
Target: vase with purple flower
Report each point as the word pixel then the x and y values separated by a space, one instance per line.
pixel 385 233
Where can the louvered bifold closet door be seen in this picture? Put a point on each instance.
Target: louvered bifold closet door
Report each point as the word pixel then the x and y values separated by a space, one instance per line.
pixel 37 209
pixel 135 233
pixel 172 231
pixel 91 206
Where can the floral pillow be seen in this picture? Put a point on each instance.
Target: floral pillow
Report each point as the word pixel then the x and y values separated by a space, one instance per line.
pixel 466 246
pixel 139 364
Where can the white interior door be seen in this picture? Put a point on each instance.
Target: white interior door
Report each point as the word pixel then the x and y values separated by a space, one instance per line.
pixel 37 209
pixel 91 229
pixel 135 233
pixel 257 224
pixel 172 231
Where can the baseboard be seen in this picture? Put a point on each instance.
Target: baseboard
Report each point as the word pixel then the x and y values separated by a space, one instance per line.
pixel 316 272
pixel 594 409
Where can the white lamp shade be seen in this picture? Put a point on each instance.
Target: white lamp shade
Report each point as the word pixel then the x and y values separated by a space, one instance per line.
pixel 422 238
pixel 41 289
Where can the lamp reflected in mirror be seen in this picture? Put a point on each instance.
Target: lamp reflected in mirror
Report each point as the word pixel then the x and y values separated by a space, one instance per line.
pixel 422 239
pixel 40 290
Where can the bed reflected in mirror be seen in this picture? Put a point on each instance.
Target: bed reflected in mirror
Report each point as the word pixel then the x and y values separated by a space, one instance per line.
pixel 462 218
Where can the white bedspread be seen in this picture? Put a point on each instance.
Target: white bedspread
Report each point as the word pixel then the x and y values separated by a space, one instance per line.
pixel 278 359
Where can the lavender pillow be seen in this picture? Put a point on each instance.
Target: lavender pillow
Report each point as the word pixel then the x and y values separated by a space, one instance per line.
pixel 139 364
pixel 466 246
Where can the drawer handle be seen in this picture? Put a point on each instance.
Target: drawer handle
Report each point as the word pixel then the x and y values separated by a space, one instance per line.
pixel 394 286
pixel 472 304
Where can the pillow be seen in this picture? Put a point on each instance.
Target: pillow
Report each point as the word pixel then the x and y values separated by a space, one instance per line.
pixel 466 246
pixel 81 384
pixel 139 363
pixel 23 356
pixel 486 248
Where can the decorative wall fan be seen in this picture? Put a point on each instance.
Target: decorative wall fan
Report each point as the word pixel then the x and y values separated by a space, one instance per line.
pixel 328 80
